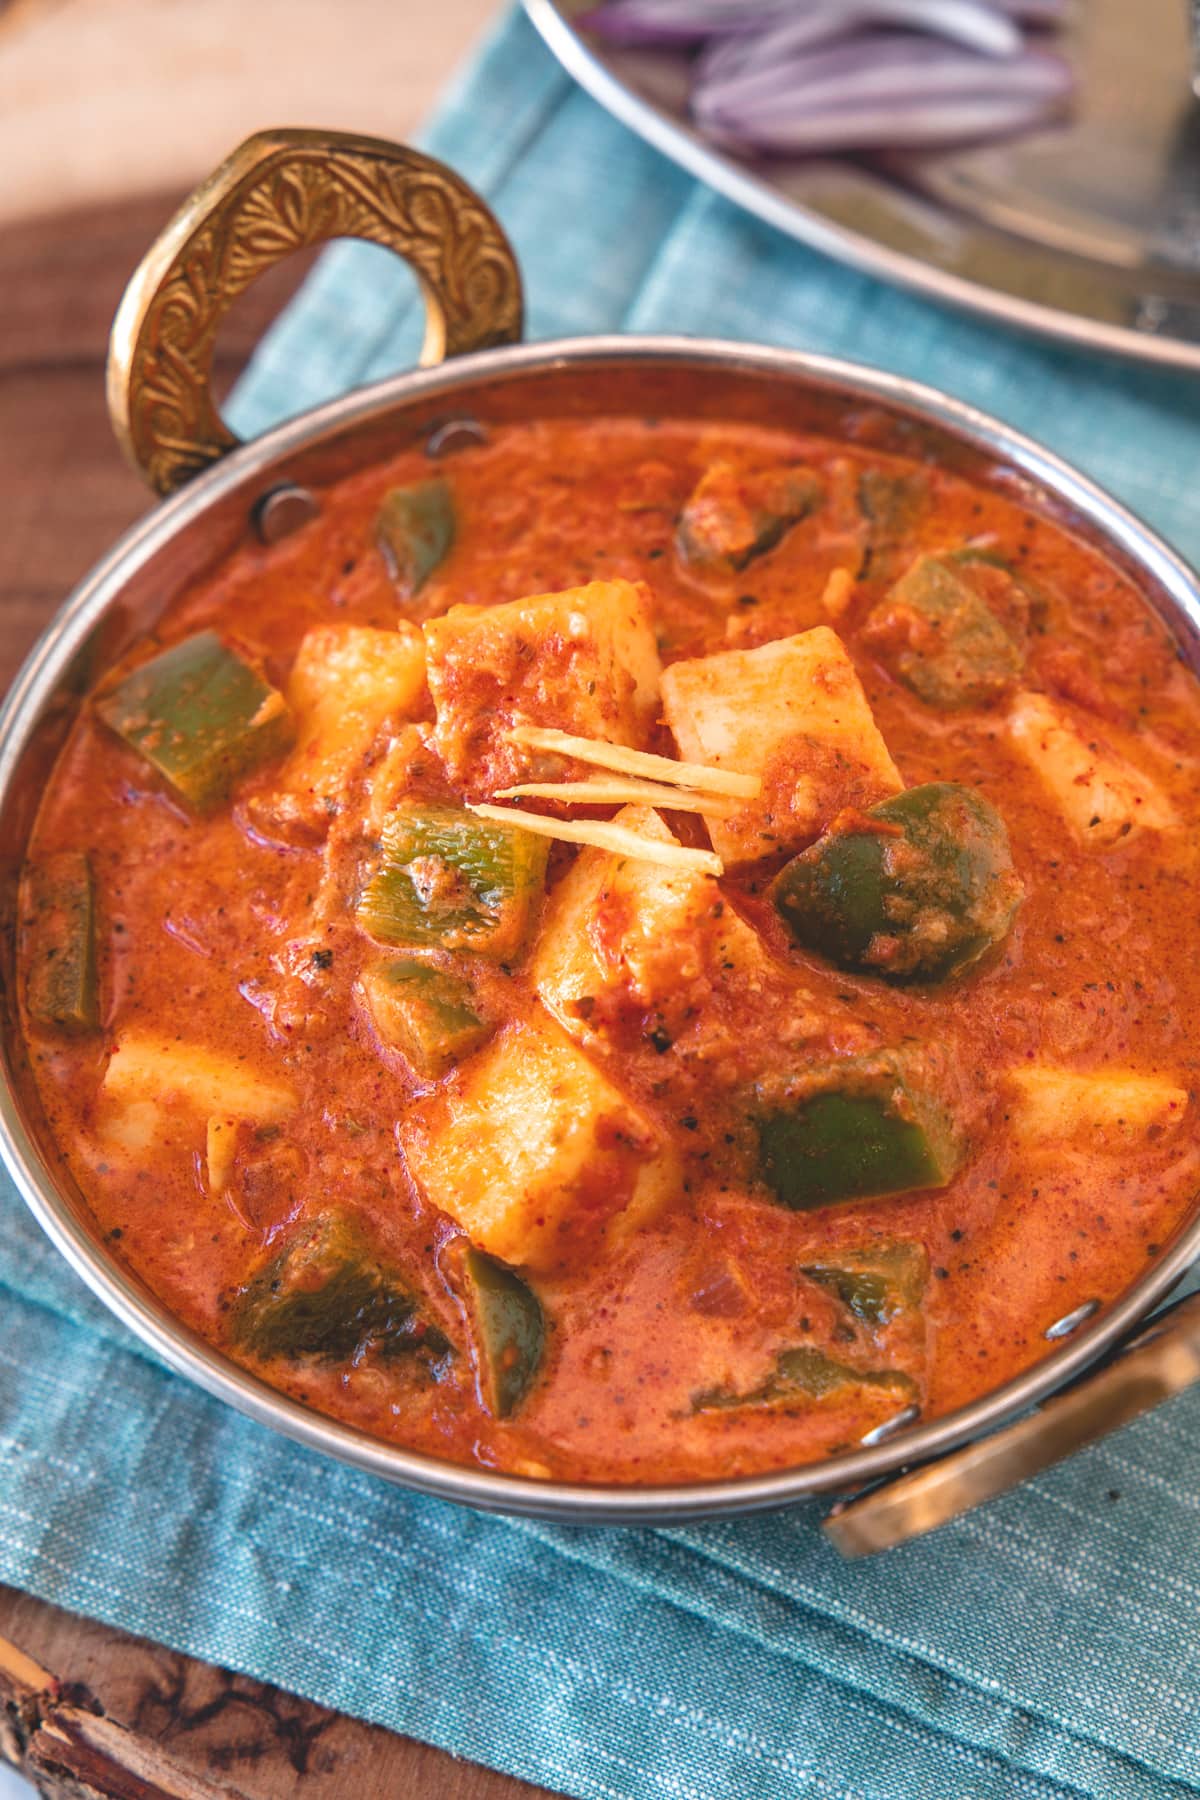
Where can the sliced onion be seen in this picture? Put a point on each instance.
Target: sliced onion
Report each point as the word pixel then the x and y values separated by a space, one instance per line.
pixel 1033 12
pixel 835 75
pixel 878 65
pixel 811 25
pixel 986 25
pixel 880 91
pixel 679 22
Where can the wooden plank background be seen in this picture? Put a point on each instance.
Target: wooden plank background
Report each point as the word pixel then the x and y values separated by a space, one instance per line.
pixel 104 99
pixel 109 111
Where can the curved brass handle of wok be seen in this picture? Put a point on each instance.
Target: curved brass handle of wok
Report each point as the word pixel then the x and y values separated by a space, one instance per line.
pixel 1162 1360
pixel 281 191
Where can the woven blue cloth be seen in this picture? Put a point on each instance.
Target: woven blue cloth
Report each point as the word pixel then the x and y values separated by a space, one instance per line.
pixel 1043 1647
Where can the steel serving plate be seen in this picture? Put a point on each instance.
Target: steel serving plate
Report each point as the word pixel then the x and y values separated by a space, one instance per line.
pixel 215 511
pixel 1087 229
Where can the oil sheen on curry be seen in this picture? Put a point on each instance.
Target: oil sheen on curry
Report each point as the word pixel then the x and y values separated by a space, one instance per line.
pixel 633 951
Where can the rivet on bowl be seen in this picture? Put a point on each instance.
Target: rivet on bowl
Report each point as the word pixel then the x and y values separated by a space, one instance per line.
pixel 890 1427
pixel 450 435
pixel 1071 1321
pixel 282 510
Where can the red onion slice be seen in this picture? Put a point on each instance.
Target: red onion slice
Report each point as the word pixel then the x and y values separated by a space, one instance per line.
pixel 1033 12
pixel 833 75
pixel 880 91
pixel 879 65
pixel 810 25
pixel 678 22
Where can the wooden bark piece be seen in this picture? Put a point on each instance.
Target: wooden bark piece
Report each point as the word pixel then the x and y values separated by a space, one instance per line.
pixel 88 1713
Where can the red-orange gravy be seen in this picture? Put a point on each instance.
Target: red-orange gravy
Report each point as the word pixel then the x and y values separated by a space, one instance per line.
pixel 196 914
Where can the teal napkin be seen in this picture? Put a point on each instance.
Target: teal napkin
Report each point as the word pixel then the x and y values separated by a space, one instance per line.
pixel 1044 1647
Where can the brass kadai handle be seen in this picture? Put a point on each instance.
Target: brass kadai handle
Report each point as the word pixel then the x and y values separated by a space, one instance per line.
pixel 282 191
pixel 1161 1361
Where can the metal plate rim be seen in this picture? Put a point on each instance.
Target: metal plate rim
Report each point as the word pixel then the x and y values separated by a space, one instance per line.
pixel 836 241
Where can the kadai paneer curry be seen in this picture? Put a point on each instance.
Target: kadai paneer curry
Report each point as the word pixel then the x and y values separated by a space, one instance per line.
pixel 631 952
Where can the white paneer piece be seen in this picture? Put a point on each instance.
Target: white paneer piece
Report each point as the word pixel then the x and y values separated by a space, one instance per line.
pixel 793 713
pixel 154 1084
pixel 147 1066
pixel 346 682
pixel 1101 795
pixel 617 925
pixel 584 661
pixel 1058 1106
pixel 535 1153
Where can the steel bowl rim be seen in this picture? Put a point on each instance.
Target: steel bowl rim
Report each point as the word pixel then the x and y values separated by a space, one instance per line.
pixel 182 1349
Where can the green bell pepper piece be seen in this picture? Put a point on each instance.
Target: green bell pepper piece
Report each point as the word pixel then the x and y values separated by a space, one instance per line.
pixel 735 514
pixel 415 531
pixel 450 880
pixel 892 502
pixel 938 634
pixel 61 985
pixel 801 1376
pixel 200 715
pixel 917 888
pixel 509 1331
pixel 862 1126
pixel 425 1013
pixel 877 1284
pixel 325 1296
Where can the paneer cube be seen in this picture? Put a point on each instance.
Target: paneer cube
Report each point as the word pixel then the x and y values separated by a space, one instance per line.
pixel 147 1066
pixel 582 661
pixel 536 1154
pixel 793 713
pixel 1057 1106
pixel 345 682
pixel 222 1140
pixel 1102 796
pixel 619 930
pixel 153 1083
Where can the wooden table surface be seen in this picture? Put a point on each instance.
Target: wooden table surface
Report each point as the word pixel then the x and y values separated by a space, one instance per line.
pixel 87 1711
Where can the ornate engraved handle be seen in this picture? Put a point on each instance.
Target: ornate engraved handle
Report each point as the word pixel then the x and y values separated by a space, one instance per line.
pixel 1162 1360
pixel 281 191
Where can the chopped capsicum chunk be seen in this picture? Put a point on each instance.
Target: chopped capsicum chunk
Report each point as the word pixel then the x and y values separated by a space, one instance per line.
pixel 801 1376
pixel 916 888
pixel 414 531
pixel 449 879
pixel 735 514
pixel 427 1014
pixel 60 949
pixel 952 628
pixel 325 1296
pixel 201 715
pixel 509 1330
pixel 892 502
pixel 875 1285
pixel 862 1126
